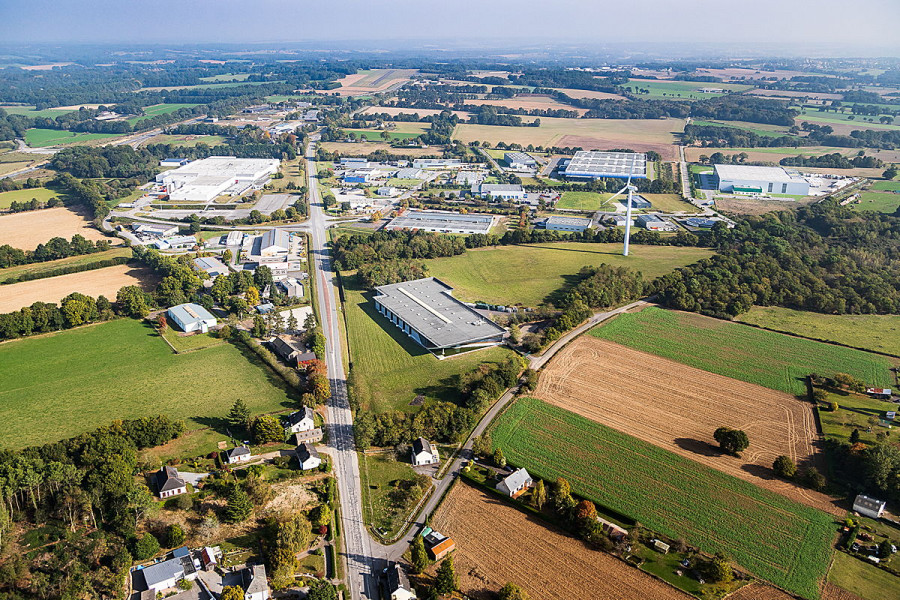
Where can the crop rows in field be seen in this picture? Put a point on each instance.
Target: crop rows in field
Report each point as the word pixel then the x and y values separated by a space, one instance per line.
pixel 773 360
pixel 778 540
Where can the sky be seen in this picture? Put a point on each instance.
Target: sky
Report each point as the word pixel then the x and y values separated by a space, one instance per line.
pixel 872 24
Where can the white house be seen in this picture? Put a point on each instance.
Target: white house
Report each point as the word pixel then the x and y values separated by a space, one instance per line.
pixel 868 507
pixel 516 483
pixel 308 457
pixel 237 455
pixel 256 586
pixel 169 483
pixel 302 420
pixel 398 584
pixel 423 453
pixel 275 242
pixel 192 317
pixel 166 574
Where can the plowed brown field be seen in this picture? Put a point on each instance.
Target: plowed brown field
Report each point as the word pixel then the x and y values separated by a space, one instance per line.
pixel 833 592
pixel 759 591
pixel 497 543
pixel 106 281
pixel 677 407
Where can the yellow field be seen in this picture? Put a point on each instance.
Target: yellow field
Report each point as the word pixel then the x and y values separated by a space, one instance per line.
pixel 106 281
pixel 590 134
pixel 26 230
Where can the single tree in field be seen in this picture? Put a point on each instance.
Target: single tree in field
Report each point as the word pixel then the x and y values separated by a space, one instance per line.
pixel 854 436
pixel 731 441
pixel 784 467
pixel 445 580
pixel 511 591
pixel 239 415
pixel 418 556
pixel 539 495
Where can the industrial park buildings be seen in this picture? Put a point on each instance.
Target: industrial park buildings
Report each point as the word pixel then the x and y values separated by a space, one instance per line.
pixel 745 179
pixel 204 180
pixel 442 222
pixel 618 165
pixel 427 312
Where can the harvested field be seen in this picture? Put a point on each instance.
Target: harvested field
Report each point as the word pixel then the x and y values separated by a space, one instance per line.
pixel 106 281
pixel 758 206
pixel 364 148
pixel 677 407
pixel 590 94
pixel 422 112
pixel 600 134
pixel 372 81
pixel 759 591
pixel 546 563
pixel 833 592
pixel 26 230
pixel 529 103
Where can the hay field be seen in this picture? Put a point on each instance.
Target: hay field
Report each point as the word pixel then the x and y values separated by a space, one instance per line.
pixel 591 134
pixel 105 281
pixel 678 408
pixel 372 81
pixel 497 543
pixel 759 591
pixel 26 230
pixel 758 206
pixel 529 103
pixel 364 148
pixel 590 94
pixel 422 112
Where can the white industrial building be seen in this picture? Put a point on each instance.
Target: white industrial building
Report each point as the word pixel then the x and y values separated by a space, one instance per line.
pixel 204 180
pixel 275 242
pixel 210 265
pixel 436 163
pixel 502 191
pixel 617 165
pixel 234 238
pixel 745 179
pixel 192 317
pixel 654 223
pixel 442 222
pixel 519 161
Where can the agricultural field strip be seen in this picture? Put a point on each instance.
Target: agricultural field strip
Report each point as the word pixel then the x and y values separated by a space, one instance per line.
pixel 545 561
pixel 610 384
pixel 779 540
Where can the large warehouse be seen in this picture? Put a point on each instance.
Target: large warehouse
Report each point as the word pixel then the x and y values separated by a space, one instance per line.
pixel 426 311
pixel 204 180
pixel 442 222
pixel 617 165
pixel 759 180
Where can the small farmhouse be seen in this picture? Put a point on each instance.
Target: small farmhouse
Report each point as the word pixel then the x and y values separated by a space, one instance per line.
pixel 169 483
pixel 239 454
pixel 515 484
pixel 398 584
pixel 302 420
pixel 424 453
pixel 868 507
pixel 308 457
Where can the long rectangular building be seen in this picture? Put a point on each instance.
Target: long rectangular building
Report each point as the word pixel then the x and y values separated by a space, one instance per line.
pixel 204 180
pixel 426 311
pixel 442 222
pixel 760 180
pixel 589 164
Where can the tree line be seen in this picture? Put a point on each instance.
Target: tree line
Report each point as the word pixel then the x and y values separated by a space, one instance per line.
pixel 835 160
pixel 54 249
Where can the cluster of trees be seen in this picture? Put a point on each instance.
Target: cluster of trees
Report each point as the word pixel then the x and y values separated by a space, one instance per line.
pixel 374 274
pixel 353 251
pixel 785 468
pixel 43 317
pixel 715 136
pixel 821 258
pixel 88 485
pixel 55 249
pixel 64 270
pixel 88 193
pixel 833 161
pixel 179 281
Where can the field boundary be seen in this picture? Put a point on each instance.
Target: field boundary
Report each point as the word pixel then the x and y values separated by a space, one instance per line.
pixel 814 339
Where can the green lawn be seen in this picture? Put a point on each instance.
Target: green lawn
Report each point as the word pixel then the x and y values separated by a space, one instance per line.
pixel 56 386
pixel 775 538
pixel 865 580
pixel 884 202
pixel 856 411
pixel 682 90
pixel 886 186
pixel 37 138
pixel 819 116
pixel 670 203
pixel 29 111
pixel 583 200
pixel 52 265
pixel 872 332
pixel 159 109
pixel 528 274
pixel 375 135
pixel 766 358
pixel 189 343
pixel 390 369
pixel 187 140
pixel 378 474
pixel 42 194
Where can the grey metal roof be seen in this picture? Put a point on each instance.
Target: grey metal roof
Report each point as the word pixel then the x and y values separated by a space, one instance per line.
pixel 442 221
pixel 587 163
pixel 649 219
pixel 869 503
pixel 560 220
pixel 304 413
pixel 488 188
pixel 168 569
pixel 428 306
pixel 210 263
pixel 397 579
pixel 755 173
pixel 238 451
pixel 422 445
pixel 190 313
pixel 275 237
pixel 519 157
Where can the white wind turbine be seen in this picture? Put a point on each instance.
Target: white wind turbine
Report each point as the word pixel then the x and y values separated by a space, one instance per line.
pixel 631 189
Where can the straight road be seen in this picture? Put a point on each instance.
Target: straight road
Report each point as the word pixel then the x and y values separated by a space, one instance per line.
pixel 357 551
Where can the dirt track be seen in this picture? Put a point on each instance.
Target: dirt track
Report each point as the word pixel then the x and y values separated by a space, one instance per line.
pixel 26 230
pixel 497 544
pixel 678 408
pixel 106 281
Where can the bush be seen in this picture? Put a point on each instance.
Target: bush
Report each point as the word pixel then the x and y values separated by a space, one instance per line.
pixel 174 535
pixel 184 502
pixel 146 547
pixel 784 467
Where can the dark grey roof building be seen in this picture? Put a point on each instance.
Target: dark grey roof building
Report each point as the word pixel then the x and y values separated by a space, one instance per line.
pixel 426 311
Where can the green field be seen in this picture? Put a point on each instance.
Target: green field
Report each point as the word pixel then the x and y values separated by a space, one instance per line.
pixel 390 369
pixel 589 201
pixel 865 580
pixel 186 140
pixel 52 265
pixel 29 111
pixel 766 358
pixel 682 90
pixel 819 116
pixel 159 109
pixel 776 131
pixel 872 332
pixel 403 131
pixel 856 411
pixel 37 138
pixel 378 474
pixel 42 194
pixel 670 203
pixel 886 186
pixel 884 202
pixel 775 538
pixel 56 386
pixel 528 274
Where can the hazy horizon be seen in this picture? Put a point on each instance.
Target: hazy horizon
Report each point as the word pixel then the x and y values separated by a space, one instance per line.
pixel 869 26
